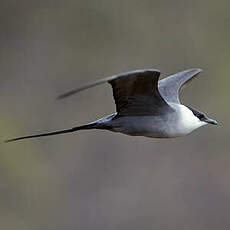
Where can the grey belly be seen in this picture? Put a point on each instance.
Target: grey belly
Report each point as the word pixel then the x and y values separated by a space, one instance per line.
pixel 149 126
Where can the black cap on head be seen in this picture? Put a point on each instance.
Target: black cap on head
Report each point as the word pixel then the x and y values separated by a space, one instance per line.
pixel 203 117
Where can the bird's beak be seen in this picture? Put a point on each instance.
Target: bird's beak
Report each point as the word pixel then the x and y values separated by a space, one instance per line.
pixel 210 121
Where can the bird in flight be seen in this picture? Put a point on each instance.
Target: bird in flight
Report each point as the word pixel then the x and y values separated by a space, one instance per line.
pixel 145 106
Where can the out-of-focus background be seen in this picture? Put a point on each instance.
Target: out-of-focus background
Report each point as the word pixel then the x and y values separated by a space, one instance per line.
pixel 97 179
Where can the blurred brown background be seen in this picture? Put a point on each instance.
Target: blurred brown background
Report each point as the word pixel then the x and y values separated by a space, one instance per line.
pixel 96 179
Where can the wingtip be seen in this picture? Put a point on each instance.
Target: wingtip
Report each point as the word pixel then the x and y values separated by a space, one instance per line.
pixel 192 72
pixel 198 70
pixel 60 97
pixel 8 141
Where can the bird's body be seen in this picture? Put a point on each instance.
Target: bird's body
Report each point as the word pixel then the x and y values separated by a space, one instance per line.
pixel 177 123
pixel 145 107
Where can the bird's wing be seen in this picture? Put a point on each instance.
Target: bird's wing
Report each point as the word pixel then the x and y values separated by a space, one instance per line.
pixel 169 87
pixel 135 93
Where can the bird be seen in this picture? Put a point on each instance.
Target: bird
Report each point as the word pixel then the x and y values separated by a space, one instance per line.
pixel 145 106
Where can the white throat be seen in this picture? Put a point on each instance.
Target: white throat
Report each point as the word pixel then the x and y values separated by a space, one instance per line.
pixel 187 120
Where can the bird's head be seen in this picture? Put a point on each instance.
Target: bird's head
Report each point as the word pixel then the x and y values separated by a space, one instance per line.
pixel 202 117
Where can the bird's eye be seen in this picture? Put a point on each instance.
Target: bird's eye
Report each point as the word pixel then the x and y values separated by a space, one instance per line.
pixel 201 116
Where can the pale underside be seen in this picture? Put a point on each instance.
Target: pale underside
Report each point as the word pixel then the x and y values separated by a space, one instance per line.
pixel 177 123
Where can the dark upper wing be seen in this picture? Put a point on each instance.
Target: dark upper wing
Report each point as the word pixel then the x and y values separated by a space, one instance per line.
pixel 169 87
pixel 135 93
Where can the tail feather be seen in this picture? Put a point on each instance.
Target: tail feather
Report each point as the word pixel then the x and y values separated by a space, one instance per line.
pixel 82 127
